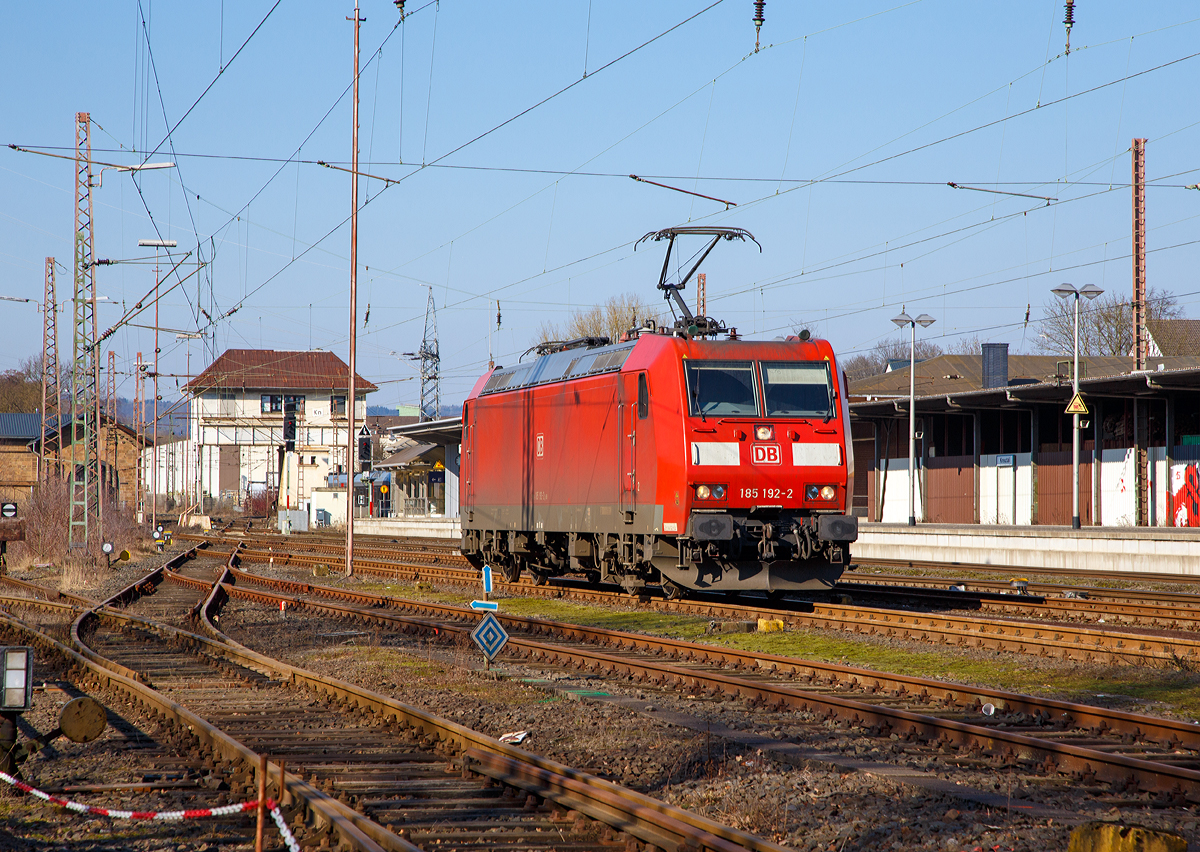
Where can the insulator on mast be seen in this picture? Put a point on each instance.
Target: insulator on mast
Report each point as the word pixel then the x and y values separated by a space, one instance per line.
pixel 759 20
pixel 1069 21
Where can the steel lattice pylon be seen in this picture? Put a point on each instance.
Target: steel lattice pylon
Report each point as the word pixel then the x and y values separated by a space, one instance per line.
pixel 85 512
pixel 51 454
pixel 110 417
pixel 431 363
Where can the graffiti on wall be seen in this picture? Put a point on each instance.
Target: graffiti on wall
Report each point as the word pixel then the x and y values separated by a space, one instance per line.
pixel 1185 490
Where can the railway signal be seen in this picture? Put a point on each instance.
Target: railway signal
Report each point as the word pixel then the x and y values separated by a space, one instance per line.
pixel 490 636
pixel 364 447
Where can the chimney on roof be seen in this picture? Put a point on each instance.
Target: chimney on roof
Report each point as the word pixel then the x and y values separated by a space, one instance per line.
pixel 995 365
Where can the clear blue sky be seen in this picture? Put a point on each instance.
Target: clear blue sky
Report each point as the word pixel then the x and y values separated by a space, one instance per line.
pixel 835 140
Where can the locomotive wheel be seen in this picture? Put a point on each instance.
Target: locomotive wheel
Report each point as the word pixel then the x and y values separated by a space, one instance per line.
pixel 671 591
pixel 512 569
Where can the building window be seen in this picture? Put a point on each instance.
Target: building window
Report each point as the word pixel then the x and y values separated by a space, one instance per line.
pixel 337 406
pixel 272 403
pixel 297 401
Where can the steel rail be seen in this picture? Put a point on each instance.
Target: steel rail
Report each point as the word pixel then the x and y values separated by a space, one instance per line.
pixel 1096 595
pixel 1081 762
pixel 1167 732
pixel 654 822
pixel 935 565
pixel 321 808
pixel 1040 638
pixel 627 810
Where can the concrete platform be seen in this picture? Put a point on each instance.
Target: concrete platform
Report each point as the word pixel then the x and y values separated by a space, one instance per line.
pixel 447 528
pixel 1161 550
pixel 1158 550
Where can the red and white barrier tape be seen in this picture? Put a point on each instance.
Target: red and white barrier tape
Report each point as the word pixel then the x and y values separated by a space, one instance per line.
pixel 197 813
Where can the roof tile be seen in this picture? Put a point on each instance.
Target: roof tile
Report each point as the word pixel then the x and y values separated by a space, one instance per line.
pixel 270 369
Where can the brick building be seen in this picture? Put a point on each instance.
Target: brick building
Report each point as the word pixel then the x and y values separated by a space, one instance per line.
pixel 19 434
pixel 20 439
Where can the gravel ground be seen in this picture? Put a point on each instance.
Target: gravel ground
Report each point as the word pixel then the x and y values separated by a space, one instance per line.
pixel 782 776
pixel 135 748
pixel 701 754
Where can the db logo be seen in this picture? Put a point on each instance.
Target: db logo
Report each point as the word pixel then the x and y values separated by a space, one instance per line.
pixel 765 453
pixel 541 445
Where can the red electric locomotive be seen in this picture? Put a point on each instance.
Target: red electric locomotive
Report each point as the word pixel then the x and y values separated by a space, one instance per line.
pixel 670 457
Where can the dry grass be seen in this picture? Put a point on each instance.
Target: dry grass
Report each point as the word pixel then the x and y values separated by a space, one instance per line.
pixel 79 575
pixel 46 516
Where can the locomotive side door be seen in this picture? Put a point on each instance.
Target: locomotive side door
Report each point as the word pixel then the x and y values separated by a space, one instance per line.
pixel 627 407
pixel 467 464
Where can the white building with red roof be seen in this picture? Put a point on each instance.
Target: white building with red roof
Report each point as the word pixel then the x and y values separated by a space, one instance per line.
pixel 235 434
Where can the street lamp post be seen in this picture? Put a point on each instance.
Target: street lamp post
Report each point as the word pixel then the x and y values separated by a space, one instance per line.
pixel 924 320
pixel 1068 291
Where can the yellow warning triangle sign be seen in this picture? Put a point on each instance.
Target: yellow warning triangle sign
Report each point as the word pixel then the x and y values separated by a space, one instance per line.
pixel 1077 405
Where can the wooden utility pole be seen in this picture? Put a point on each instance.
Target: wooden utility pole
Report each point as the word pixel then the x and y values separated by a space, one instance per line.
pixel 1140 341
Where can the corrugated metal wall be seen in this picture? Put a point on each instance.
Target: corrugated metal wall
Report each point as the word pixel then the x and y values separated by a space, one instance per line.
pixel 951 490
pixel 1054 487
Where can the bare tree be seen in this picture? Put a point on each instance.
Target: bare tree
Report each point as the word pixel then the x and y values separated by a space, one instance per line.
pixel 1105 325
pixel 893 349
pixel 611 319
pixel 972 345
pixel 21 389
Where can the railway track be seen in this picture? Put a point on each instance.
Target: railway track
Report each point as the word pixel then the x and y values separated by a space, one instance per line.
pixel 371 772
pixel 1091 745
pixel 1119 642
pixel 1160 610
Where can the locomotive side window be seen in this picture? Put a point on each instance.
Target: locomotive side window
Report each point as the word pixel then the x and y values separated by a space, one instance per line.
pixel 797 389
pixel 721 388
pixel 643 397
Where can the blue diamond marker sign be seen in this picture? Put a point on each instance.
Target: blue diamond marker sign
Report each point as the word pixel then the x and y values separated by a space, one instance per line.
pixel 490 636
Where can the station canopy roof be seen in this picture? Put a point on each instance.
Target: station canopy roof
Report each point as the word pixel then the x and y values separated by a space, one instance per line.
pixel 1097 380
pixel 446 432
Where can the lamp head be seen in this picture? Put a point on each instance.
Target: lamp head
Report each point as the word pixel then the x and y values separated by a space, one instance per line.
pixel 145 167
pixel 1090 290
pixel 925 320
pixel 1064 290
pixel 902 320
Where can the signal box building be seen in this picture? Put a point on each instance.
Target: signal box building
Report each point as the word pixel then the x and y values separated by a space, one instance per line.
pixel 236 424
pixel 995 444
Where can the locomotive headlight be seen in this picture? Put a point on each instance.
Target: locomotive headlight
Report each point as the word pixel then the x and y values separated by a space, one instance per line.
pixel 718 492
pixel 764 433
pixel 820 492
pixel 703 492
